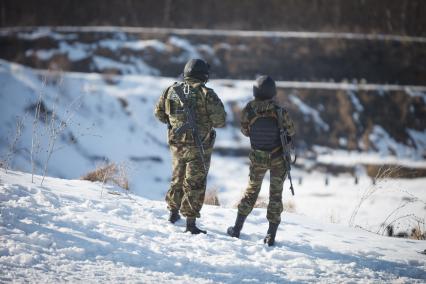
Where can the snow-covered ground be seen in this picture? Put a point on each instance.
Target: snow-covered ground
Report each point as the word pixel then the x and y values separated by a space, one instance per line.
pixel 114 122
pixel 78 231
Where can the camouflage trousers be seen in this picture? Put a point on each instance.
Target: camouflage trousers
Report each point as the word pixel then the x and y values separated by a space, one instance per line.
pixel 188 185
pixel 260 162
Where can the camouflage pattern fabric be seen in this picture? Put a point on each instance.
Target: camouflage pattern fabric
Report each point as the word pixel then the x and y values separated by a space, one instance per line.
pixel 188 185
pixel 262 161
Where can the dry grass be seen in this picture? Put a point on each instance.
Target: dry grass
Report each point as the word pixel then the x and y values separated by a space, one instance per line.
pixel 290 206
pixel 110 172
pixel 262 202
pixel 380 181
pixel 211 197
pixel 417 233
pixel 396 224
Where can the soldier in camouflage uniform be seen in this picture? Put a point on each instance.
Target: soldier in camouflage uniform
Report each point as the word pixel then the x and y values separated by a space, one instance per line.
pixel 259 121
pixel 188 185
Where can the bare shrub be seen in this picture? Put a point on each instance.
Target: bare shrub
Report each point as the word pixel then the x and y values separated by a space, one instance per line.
pixel 56 127
pixel 211 197
pixel 13 144
pixel 417 232
pixel 262 202
pixel 35 137
pixel 380 180
pixel 110 172
pixel 395 224
pixel 290 206
pixel 47 125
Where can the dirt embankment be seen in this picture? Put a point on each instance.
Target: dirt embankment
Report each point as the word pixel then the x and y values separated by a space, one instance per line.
pixel 231 56
pixel 389 122
pixel 386 121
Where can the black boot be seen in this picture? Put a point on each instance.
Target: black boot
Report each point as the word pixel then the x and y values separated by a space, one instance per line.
pixel 239 222
pixel 270 235
pixel 190 227
pixel 174 216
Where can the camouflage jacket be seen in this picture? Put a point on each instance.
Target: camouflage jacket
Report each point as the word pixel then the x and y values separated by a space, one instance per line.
pixel 264 108
pixel 208 109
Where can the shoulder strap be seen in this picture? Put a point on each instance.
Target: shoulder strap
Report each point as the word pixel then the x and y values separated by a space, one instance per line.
pixel 204 91
pixel 179 92
pixel 164 98
pixel 251 114
pixel 280 117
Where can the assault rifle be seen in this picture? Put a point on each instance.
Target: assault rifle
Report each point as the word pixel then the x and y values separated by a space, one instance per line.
pixel 190 121
pixel 286 147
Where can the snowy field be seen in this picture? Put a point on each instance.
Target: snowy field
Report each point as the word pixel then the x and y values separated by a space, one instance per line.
pixel 78 231
pixel 114 122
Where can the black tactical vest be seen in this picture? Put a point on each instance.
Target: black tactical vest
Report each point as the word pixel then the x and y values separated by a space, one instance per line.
pixel 265 134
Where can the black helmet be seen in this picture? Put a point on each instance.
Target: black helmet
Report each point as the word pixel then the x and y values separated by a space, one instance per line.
pixel 197 68
pixel 264 88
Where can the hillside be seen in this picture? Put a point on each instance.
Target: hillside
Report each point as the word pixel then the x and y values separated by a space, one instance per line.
pixel 77 231
pixel 234 54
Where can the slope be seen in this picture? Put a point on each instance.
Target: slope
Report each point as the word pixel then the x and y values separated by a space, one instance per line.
pixel 72 230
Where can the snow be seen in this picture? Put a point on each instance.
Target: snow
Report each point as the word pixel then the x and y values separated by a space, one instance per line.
pixel 309 111
pixel 75 51
pixel 42 32
pixel 138 66
pixel 78 231
pixel 190 50
pixel 387 146
pixel 415 93
pixel 43 54
pixel 419 138
pixel 350 158
pixel 338 200
pixel 135 45
pixel 356 104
